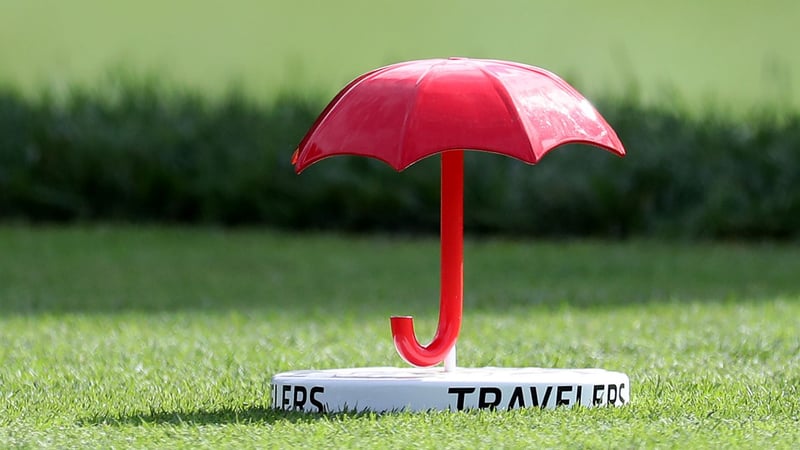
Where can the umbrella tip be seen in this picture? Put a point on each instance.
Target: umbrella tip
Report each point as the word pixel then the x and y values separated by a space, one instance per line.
pixel 295 155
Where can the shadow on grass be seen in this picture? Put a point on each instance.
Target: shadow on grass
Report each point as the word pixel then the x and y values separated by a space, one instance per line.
pixel 252 415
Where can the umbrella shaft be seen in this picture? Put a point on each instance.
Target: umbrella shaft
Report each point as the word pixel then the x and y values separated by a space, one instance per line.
pixel 452 243
pixel 442 347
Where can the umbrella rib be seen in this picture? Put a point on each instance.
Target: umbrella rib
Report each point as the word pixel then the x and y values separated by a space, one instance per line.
pixel 615 146
pixel 510 106
pixel 409 110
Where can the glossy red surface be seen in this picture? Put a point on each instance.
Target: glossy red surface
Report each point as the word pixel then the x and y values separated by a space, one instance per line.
pixel 407 111
pixel 451 297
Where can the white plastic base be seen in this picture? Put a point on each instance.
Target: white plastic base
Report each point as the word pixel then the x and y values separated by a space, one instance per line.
pixel 382 389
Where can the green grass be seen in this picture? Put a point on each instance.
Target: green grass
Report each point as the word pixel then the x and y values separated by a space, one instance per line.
pixel 736 51
pixel 149 337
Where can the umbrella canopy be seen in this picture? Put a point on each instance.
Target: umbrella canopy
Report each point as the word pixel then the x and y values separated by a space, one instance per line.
pixel 407 111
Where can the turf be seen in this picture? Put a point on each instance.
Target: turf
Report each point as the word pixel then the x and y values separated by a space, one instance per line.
pixel 736 51
pixel 167 337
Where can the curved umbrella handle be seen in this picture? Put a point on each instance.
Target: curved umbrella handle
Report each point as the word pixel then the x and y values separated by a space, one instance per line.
pixel 452 274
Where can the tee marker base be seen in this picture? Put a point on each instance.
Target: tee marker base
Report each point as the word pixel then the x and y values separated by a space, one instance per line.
pixel 385 389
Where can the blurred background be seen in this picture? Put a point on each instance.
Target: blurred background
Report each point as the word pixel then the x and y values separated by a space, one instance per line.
pixel 188 112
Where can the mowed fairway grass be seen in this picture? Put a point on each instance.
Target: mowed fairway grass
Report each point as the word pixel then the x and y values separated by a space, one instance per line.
pixel 168 337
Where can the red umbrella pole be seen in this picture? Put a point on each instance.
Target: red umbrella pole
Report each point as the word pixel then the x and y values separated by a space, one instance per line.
pixel 452 275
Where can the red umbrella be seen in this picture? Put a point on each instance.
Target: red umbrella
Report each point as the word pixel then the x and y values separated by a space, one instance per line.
pixel 404 112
